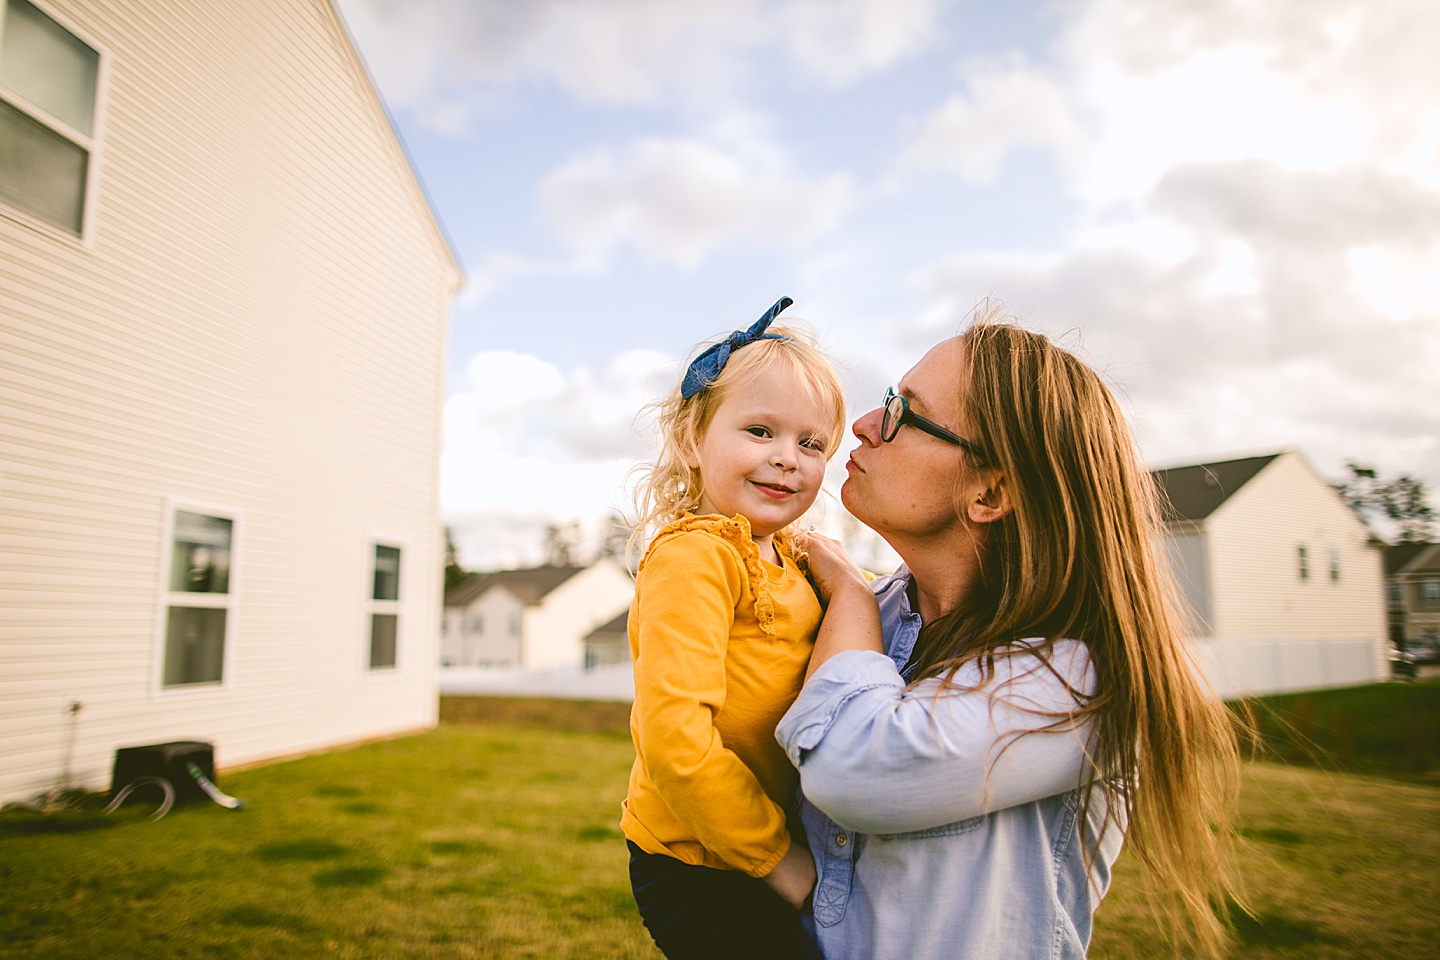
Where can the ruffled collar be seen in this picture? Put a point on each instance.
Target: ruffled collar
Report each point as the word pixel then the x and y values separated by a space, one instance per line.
pixel 736 532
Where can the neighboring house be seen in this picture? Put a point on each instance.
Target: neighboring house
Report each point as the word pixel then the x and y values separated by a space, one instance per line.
pixel 609 643
pixel 1283 581
pixel 533 618
pixel 223 310
pixel 1412 591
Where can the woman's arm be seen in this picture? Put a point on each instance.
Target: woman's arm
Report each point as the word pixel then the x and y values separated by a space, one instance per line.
pixel 880 759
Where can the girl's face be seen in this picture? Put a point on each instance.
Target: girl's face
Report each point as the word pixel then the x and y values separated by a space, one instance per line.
pixel 763 455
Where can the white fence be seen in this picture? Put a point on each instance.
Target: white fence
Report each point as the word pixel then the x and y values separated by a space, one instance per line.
pixel 1254 666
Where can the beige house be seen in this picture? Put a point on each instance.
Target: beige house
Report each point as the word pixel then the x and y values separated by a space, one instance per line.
pixel 1412 590
pixel 536 618
pixel 223 310
pixel 1284 582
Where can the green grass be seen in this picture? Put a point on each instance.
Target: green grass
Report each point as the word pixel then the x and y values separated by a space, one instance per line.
pixel 1386 729
pixel 471 841
pixel 495 836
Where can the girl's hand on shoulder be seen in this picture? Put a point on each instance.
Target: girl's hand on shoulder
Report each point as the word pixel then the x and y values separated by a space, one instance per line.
pixel 831 568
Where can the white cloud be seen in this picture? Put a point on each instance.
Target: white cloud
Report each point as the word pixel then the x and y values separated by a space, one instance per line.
pixel 1006 108
pixel 680 200
pixel 843 40
pixel 526 442
pixel 444 59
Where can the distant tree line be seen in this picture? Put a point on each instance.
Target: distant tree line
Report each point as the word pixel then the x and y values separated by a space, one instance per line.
pixel 1403 501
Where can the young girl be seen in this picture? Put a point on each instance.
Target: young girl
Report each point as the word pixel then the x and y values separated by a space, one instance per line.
pixel 721 631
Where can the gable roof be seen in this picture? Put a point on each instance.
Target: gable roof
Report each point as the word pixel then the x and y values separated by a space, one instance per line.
pixel 406 162
pixel 530 585
pixel 1401 555
pixel 1195 492
pixel 620 624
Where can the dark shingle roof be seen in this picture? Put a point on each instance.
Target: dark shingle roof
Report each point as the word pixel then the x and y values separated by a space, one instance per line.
pixel 1400 555
pixel 619 625
pixel 530 585
pixel 1194 492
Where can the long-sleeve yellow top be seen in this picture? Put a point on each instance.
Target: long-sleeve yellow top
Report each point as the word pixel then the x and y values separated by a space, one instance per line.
pixel 720 639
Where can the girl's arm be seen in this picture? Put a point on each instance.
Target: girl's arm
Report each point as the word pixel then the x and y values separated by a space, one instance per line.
pixel 880 759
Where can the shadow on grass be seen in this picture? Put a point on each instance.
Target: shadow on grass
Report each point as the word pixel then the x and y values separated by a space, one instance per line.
pixel 256 918
pixel 1272 834
pixel 1270 928
pixel 350 877
pixel 1383 729
pixel 301 851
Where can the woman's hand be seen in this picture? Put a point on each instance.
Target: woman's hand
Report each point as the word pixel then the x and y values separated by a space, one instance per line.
pixel 830 566
pixel 794 876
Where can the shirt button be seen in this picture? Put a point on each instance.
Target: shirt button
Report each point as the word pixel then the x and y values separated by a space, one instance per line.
pixel 841 840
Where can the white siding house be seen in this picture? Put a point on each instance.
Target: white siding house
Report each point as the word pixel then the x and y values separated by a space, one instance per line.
pixel 535 618
pixel 223 310
pixel 1284 582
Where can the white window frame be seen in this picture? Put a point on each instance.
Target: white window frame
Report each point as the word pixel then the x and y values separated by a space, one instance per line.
pixel 373 606
pixel 229 602
pixel 91 144
pixel 1302 554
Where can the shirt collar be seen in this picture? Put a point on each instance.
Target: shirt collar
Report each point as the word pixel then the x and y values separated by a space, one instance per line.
pixel 900 624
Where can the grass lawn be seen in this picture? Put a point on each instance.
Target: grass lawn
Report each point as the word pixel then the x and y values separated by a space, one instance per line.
pixel 494 836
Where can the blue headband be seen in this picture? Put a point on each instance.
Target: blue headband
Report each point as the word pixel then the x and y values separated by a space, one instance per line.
pixel 705 369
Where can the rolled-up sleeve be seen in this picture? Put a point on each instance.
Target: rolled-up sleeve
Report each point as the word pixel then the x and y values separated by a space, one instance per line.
pixel 878 758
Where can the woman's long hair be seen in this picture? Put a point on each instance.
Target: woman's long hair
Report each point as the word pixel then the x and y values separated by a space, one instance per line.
pixel 1077 558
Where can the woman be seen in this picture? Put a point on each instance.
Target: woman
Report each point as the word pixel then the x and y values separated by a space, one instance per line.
pixel 979 731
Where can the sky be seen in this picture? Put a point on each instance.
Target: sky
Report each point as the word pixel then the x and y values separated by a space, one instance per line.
pixel 1230 208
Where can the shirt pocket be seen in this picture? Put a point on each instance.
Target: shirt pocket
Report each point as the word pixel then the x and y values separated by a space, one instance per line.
pixel 943 830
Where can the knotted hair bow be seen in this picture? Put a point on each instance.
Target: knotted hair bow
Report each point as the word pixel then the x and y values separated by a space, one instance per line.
pixel 705 369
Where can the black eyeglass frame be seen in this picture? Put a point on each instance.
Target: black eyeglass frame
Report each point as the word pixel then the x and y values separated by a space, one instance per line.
pixel 890 424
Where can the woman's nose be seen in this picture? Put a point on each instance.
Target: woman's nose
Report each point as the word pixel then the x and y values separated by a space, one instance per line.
pixel 867 428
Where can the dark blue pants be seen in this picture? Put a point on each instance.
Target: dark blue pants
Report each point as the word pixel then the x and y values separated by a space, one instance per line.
pixel 698 913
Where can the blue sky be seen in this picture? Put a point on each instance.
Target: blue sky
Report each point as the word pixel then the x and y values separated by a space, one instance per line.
pixel 1232 209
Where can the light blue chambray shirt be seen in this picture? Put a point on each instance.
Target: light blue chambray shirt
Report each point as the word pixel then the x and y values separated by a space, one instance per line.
pixel 937 831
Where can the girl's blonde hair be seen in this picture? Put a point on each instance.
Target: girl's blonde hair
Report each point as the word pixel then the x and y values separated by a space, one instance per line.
pixel 669 487
pixel 1077 558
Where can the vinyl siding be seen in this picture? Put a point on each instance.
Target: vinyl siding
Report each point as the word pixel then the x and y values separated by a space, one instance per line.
pixel 254 324
pixel 1257 591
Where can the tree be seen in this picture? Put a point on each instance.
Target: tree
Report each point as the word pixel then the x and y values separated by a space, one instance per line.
pixel 1403 501
pixel 454 573
pixel 562 543
pixel 614 536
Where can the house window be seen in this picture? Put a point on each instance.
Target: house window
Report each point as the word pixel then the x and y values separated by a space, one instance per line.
pixel 48 80
pixel 385 607
pixel 197 599
pixel 1430 593
pixel 514 624
pixel 1395 594
pixel 1334 565
pixel 1304 563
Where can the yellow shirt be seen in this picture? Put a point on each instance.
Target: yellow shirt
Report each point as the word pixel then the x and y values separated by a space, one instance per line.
pixel 720 639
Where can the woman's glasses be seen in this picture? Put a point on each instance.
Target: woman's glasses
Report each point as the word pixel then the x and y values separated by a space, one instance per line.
pixel 898 414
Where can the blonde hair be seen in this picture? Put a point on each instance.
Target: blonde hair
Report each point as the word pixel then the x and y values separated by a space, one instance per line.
pixel 1076 558
pixel 669 487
